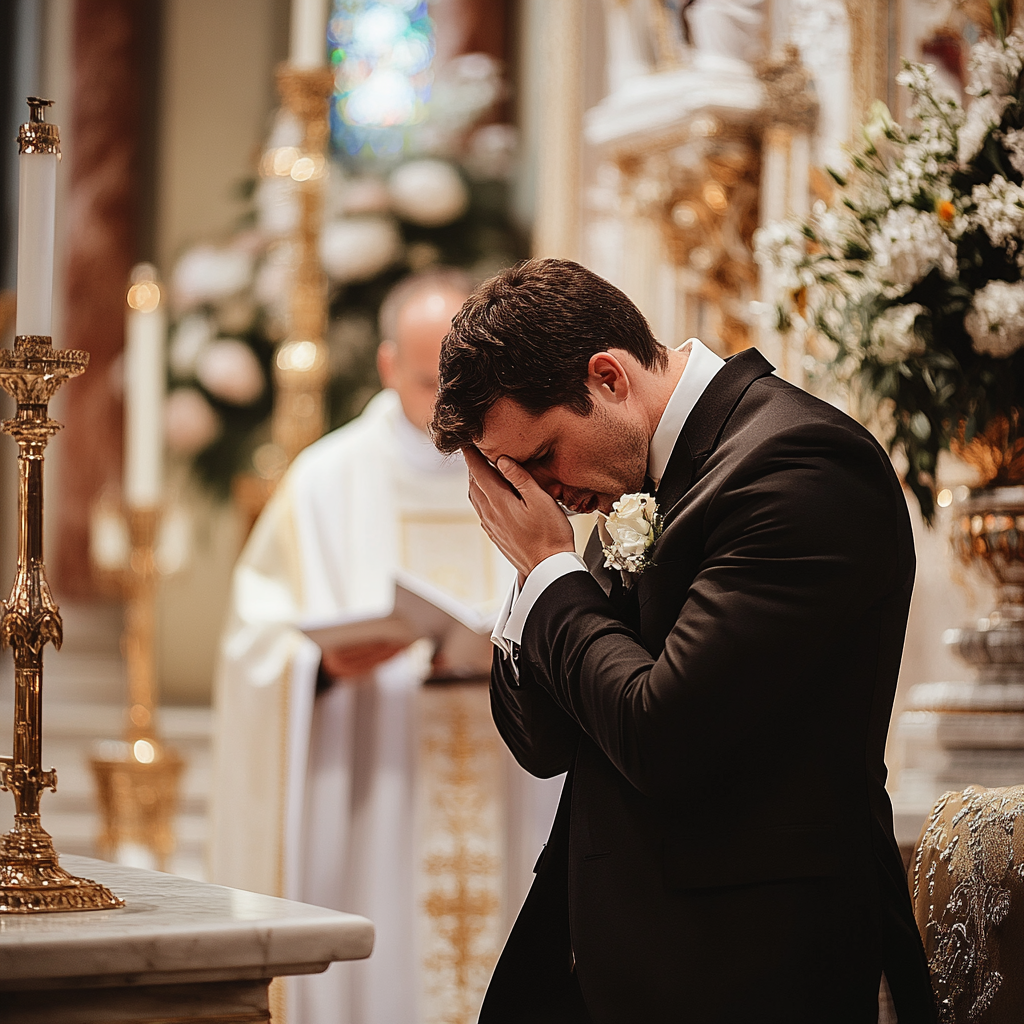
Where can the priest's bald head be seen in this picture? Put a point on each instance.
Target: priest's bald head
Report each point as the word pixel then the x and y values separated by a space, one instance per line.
pixel 414 318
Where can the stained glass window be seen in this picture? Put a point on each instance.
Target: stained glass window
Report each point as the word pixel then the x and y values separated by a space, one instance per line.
pixel 381 51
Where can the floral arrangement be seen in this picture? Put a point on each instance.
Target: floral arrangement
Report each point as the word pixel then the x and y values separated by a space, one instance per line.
pixel 631 529
pixel 912 278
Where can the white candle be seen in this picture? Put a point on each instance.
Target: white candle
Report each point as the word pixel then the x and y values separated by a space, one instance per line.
pixel 39 148
pixel 308 42
pixel 144 387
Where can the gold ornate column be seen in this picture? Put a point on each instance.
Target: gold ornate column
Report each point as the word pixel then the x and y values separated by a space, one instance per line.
pixel 300 365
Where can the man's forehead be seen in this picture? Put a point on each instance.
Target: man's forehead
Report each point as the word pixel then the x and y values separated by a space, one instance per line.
pixel 511 430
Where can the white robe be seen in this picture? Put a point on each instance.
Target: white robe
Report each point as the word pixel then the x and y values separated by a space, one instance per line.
pixel 342 800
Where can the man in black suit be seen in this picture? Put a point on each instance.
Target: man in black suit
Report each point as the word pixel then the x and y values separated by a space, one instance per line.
pixel 723 852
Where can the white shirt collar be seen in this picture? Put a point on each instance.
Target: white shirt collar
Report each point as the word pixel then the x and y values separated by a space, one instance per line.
pixel 700 368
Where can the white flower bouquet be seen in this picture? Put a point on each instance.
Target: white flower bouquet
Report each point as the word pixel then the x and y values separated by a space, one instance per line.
pixel 913 276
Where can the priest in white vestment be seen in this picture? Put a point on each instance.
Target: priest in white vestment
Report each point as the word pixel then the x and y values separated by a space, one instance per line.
pixel 340 779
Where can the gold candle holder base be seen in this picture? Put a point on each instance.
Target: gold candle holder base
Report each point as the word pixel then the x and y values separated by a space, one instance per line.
pixel 138 786
pixel 139 799
pixel 31 879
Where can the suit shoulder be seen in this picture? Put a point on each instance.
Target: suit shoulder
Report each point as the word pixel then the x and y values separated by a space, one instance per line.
pixel 777 426
pixel 773 407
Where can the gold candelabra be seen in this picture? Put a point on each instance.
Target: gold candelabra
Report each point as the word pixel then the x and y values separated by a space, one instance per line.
pixel 31 879
pixel 300 364
pixel 138 786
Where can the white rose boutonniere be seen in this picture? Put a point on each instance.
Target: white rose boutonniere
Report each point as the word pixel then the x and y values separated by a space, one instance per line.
pixel 627 534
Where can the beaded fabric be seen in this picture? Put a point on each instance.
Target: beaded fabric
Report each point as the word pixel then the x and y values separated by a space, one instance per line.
pixel 967 881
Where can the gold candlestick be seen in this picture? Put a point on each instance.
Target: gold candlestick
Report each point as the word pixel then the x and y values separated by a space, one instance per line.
pixel 31 878
pixel 139 786
pixel 300 364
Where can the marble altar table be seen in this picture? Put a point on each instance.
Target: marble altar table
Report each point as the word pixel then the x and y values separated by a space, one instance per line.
pixel 178 951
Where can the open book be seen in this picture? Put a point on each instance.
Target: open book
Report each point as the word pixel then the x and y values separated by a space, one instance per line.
pixel 461 633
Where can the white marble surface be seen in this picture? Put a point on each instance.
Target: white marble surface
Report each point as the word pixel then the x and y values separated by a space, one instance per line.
pixel 173 930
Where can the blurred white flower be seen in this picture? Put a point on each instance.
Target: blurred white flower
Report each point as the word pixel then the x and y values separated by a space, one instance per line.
pixel 277 206
pixel 491 152
pixel 209 274
pixel 363 195
pixel 358 248
pixel 995 322
pixel 999 211
pixel 274 276
pixel 780 244
pixel 190 424
pixel 907 245
pixel 1013 140
pixel 984 114
pixel 893 338
pixel 429 192
pixel 994 69
pixel 465 88
pixel 192 334
pixel 229 370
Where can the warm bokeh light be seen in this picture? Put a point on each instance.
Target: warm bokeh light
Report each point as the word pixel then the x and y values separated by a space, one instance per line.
pixel 144 296
pixel 944 498
pixel 144 751
pixel 297 355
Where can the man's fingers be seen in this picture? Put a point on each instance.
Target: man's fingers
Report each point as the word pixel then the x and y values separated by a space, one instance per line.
pixel 528 488
pixel 513 472
pixel 478 465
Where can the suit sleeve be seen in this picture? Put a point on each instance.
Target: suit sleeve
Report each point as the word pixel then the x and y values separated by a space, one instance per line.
pixel 801 538
pixel 542 737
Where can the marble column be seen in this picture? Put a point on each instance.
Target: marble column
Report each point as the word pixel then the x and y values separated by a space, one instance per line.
pixel 556 230
pixel 101 217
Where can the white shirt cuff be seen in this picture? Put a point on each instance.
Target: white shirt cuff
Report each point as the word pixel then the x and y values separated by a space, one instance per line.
pixel 506 610
pixel 553 567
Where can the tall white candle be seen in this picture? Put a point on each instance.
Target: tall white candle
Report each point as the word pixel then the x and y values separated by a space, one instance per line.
pixel 144 387
pixel 39 148
pixel 308 43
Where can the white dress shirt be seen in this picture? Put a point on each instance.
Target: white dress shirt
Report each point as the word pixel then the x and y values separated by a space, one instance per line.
pixel 700 368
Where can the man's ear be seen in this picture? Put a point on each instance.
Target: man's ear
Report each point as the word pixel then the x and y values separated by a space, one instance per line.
pixel 607 376
pixel 387 356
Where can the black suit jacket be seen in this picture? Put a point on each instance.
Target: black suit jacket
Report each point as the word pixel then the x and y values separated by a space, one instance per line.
pixel 724 847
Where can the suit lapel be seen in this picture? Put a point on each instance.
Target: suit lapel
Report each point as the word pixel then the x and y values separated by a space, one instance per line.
pixel 704 425
pixel 593 555
pixel 696 442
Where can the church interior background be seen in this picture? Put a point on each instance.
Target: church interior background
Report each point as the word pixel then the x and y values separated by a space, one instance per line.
pixel 648 146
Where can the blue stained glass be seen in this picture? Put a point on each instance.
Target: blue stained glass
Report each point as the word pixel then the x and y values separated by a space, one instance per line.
pixel 382 52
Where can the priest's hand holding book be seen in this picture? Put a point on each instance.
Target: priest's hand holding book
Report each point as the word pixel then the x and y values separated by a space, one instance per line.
pixel 353 644
pixel 358 659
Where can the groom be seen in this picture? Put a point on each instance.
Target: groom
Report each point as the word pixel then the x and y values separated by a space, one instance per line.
pixel 723 852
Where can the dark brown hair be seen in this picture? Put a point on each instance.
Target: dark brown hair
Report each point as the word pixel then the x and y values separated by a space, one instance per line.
pixel 528 334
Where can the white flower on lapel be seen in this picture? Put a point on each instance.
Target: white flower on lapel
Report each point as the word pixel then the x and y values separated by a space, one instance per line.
pixel 627 534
